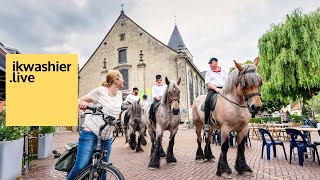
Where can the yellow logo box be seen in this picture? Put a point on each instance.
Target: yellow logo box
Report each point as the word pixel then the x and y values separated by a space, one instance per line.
pixel 41 89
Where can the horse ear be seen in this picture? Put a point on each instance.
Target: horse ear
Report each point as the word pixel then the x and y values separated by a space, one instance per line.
pixel 167 81
pixel 179 80
pixel 256 61
pixel 238 65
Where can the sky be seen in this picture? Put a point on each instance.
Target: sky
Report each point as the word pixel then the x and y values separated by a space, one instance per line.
pixel 228 30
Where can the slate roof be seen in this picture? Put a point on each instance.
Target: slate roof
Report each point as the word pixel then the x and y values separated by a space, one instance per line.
pixel 176 39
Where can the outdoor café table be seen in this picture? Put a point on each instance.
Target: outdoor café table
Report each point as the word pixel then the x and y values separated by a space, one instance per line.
pixel 276 131
pixel 255 129
pixel 309 130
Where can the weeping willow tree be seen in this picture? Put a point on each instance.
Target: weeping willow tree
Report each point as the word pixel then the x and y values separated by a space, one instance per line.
pixel 290 58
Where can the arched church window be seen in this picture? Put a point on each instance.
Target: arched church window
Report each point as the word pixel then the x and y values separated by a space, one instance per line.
pixel 125 74
pixel 122 56
pixel 122 37
pixel 201 89
pixel 197 86
pixel 191 87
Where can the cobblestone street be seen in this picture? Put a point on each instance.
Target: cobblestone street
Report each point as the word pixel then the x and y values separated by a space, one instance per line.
pixel 134 165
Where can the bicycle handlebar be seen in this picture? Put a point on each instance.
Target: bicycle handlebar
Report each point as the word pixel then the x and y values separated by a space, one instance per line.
pixel 97 110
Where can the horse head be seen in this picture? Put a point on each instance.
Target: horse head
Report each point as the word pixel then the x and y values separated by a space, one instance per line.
pixel 136 111
pixel 172 96
pixel 248 85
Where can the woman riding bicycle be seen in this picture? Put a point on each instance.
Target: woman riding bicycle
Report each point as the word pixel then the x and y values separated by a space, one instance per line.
pixel 109 97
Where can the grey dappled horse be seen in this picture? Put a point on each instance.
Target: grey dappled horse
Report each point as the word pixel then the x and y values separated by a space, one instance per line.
pixel 167 118
pixel 136 123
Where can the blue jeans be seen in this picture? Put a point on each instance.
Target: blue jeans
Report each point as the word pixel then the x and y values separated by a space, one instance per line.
pixel 86 145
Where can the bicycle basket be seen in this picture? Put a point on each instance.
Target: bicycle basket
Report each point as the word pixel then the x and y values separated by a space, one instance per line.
pixel 68 158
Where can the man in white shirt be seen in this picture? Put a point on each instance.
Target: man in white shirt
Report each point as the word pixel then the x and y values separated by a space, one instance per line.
pixel 145 103
pixel 157 92
pixel 132 97
pixel 215 79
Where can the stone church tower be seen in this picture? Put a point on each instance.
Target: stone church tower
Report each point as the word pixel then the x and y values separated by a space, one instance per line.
pixel 140 57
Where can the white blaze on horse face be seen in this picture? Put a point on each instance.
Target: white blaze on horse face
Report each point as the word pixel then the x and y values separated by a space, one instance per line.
pixel 174 97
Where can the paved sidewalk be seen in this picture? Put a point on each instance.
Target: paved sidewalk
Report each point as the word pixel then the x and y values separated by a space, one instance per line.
pixel 134 165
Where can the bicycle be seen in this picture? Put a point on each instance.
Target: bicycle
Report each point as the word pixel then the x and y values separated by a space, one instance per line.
pixel 97 168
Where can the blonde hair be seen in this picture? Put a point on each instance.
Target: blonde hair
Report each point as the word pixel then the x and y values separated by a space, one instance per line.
pixel 110 77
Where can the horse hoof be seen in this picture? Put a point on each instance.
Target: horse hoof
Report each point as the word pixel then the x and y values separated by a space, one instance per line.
pixel 172 163
pixel 152 168
pixel 132 146
pixel 226 176
pixel 199 161
pixel 211 160
pixel 246 173
pixel 163 154
pixel 143 141
pixel 127 146
pixel 139 149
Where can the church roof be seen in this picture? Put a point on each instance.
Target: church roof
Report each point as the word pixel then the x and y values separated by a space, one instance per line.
pixel 176 39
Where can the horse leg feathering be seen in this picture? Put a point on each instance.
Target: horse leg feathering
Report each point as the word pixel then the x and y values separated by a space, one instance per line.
pixel 241 164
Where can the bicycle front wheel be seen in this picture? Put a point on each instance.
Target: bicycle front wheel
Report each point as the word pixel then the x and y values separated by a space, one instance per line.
pixel 111 172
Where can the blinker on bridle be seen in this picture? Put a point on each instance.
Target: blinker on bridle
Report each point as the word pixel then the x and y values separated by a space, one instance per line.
pixel 247 96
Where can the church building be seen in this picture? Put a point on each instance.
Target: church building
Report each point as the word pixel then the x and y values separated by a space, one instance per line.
pixel 139 56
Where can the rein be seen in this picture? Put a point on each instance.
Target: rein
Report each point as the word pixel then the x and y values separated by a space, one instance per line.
pixel 246 96
pixel 243 106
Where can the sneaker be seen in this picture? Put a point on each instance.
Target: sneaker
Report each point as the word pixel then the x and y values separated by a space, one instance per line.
pixel 206 128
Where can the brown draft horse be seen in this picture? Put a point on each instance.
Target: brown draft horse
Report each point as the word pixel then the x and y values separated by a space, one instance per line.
pixel 239 97
pixel 167 118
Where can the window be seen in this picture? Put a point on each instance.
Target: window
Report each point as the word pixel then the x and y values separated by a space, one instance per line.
pixel 122 37
pixel 125 74
pixel 201 89
pixel 191 87
pixel 122 56
pixel 197 87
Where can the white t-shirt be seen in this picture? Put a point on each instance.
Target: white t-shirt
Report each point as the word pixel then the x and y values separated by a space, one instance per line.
pixel 145 104
pixel 216 78
pixel 111 106
pixel 130 98
pixel 158 91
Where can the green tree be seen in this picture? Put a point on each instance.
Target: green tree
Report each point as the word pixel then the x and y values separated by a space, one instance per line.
pixel 272 105
pixel 290 58
pixel 314 104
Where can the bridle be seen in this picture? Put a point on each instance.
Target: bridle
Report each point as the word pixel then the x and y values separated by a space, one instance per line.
pixel 174 100
pixel 137 115
pixel 246 96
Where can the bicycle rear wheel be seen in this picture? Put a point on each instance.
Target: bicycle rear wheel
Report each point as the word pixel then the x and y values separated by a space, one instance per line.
pixel 110 171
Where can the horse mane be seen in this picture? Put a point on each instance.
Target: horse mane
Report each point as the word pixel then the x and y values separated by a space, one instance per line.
pixel 164 99
pixel 251 79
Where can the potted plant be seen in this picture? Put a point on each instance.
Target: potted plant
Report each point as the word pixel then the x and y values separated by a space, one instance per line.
pixel 11 148
pixel 45 141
